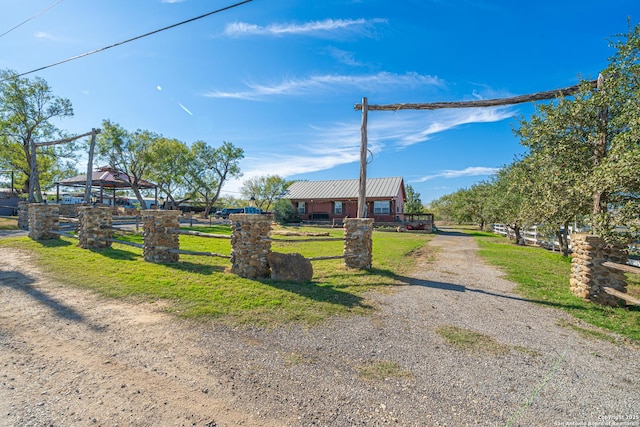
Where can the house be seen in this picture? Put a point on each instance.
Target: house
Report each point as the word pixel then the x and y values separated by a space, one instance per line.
pixel 336 199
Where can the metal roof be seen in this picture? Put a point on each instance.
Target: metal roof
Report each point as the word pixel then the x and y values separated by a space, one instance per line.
pixel 344 189
pixel 107 178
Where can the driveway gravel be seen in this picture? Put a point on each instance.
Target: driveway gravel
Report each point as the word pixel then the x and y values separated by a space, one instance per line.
pixel 69 357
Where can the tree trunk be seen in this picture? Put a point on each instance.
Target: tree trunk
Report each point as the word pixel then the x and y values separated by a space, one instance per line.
pixel 519 239
pixel 136 191
pixel 562 236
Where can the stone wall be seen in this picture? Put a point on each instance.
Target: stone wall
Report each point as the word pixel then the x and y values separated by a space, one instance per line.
pixel 157 238
pixel 250 245
pixel 43 219
pixel 589 276
pixel 69 210
pixel 23 215
pixel 358 248
pixel 94 225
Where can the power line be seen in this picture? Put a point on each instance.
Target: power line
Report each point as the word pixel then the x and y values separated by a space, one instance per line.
pixel 29 19
pixel 127 41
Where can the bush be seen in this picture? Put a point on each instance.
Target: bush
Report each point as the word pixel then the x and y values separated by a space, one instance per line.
pixel 284 212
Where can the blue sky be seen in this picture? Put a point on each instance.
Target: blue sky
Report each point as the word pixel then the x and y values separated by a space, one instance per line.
pixel 279 78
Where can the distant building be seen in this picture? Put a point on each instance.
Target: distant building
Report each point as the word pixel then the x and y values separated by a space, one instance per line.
pixel 336 199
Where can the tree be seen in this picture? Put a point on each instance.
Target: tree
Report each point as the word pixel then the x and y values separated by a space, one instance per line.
pixel 588 145
pixel 127 152
pixel 27 108
pixel 264 189
pixel 170 159
pixel 413 205
pixel 209 170
pixel 284 212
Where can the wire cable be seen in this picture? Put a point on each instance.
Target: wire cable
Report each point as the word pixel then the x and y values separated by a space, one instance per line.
pixel 29 19
pixel 126 41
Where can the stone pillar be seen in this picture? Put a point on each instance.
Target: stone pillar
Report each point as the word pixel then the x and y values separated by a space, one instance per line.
pixel 358 248
pixel 43 219
pixel 588 275
pixel 250 245
pixel 94 225
pixel 23 215
pixel 157 239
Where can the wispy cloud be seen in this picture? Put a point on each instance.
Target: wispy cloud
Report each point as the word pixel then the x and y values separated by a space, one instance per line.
pixel 448 174
pixel 344 57
pixel 336 144
pixel 331 83
pixel 442 120
pixel 172 1
pixel 46 36
pixel 327 28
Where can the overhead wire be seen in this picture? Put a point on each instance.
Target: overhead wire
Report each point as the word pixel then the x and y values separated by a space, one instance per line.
pixel 127 41
pixel 29 19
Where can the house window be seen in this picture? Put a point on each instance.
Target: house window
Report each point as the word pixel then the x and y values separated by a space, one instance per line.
pixel 301 207
pixel 337 207
pixel 381 207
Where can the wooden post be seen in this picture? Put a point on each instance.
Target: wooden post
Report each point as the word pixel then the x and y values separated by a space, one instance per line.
pixel 362 191
pixel 600 197
pixel 87 188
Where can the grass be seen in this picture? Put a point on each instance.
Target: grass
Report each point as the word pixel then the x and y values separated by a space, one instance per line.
pixel 543 277
pixel 382 370
pixel 201 287
pixel 8 224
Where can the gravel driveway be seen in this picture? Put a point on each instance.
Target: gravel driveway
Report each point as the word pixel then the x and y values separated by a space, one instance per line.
pixel 71 358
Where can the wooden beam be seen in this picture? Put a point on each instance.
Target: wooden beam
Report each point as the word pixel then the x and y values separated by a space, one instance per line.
pixel 65 140
pixel 621 295
pixel 622 267
pixel 540 96
pixel 198 233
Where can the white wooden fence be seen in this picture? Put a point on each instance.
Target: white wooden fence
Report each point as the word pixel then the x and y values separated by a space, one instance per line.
pixel 533 236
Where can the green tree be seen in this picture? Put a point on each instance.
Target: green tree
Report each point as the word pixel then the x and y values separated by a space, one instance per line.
pixel 169 164
pixel 264 189
pixel 413 205
pixel 586 147
pixel 209 170
pixel 127 152
pixel 27 109
pixel 284 212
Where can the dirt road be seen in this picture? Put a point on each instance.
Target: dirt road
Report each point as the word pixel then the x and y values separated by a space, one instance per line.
pixel 71 358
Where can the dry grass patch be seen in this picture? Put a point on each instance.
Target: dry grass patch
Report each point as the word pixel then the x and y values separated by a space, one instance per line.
pixel 382 370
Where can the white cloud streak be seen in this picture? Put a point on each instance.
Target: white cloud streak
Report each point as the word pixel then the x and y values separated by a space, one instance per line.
pixel 331 83
pixel 337 144
pixel 45 36
pixel 449 174
pixel 331 28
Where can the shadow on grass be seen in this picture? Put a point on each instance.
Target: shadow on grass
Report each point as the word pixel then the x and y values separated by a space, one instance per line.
pixel 117 254
pixel 192 267
pixel 23 283
pixel 54 243
pixel 316 292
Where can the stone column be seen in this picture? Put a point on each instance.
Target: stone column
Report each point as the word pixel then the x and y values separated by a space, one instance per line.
pixel 157 239
pixel 43 219
pixel 358 248
pixel 250 245
pixel 589 276
pixel 94 225
pixel 23 215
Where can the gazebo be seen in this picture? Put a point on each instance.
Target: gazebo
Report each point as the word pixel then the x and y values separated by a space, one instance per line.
pixel 104 178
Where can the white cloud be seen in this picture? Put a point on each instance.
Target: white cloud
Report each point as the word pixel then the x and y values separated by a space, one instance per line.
pixel 45 36
pixel 331 83
pixel 470 171
pixel 172 1
pixel 336 144
pixel 328 28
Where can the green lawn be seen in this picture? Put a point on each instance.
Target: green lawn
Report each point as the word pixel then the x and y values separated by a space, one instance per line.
pixel 543 277
pixel 202 286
